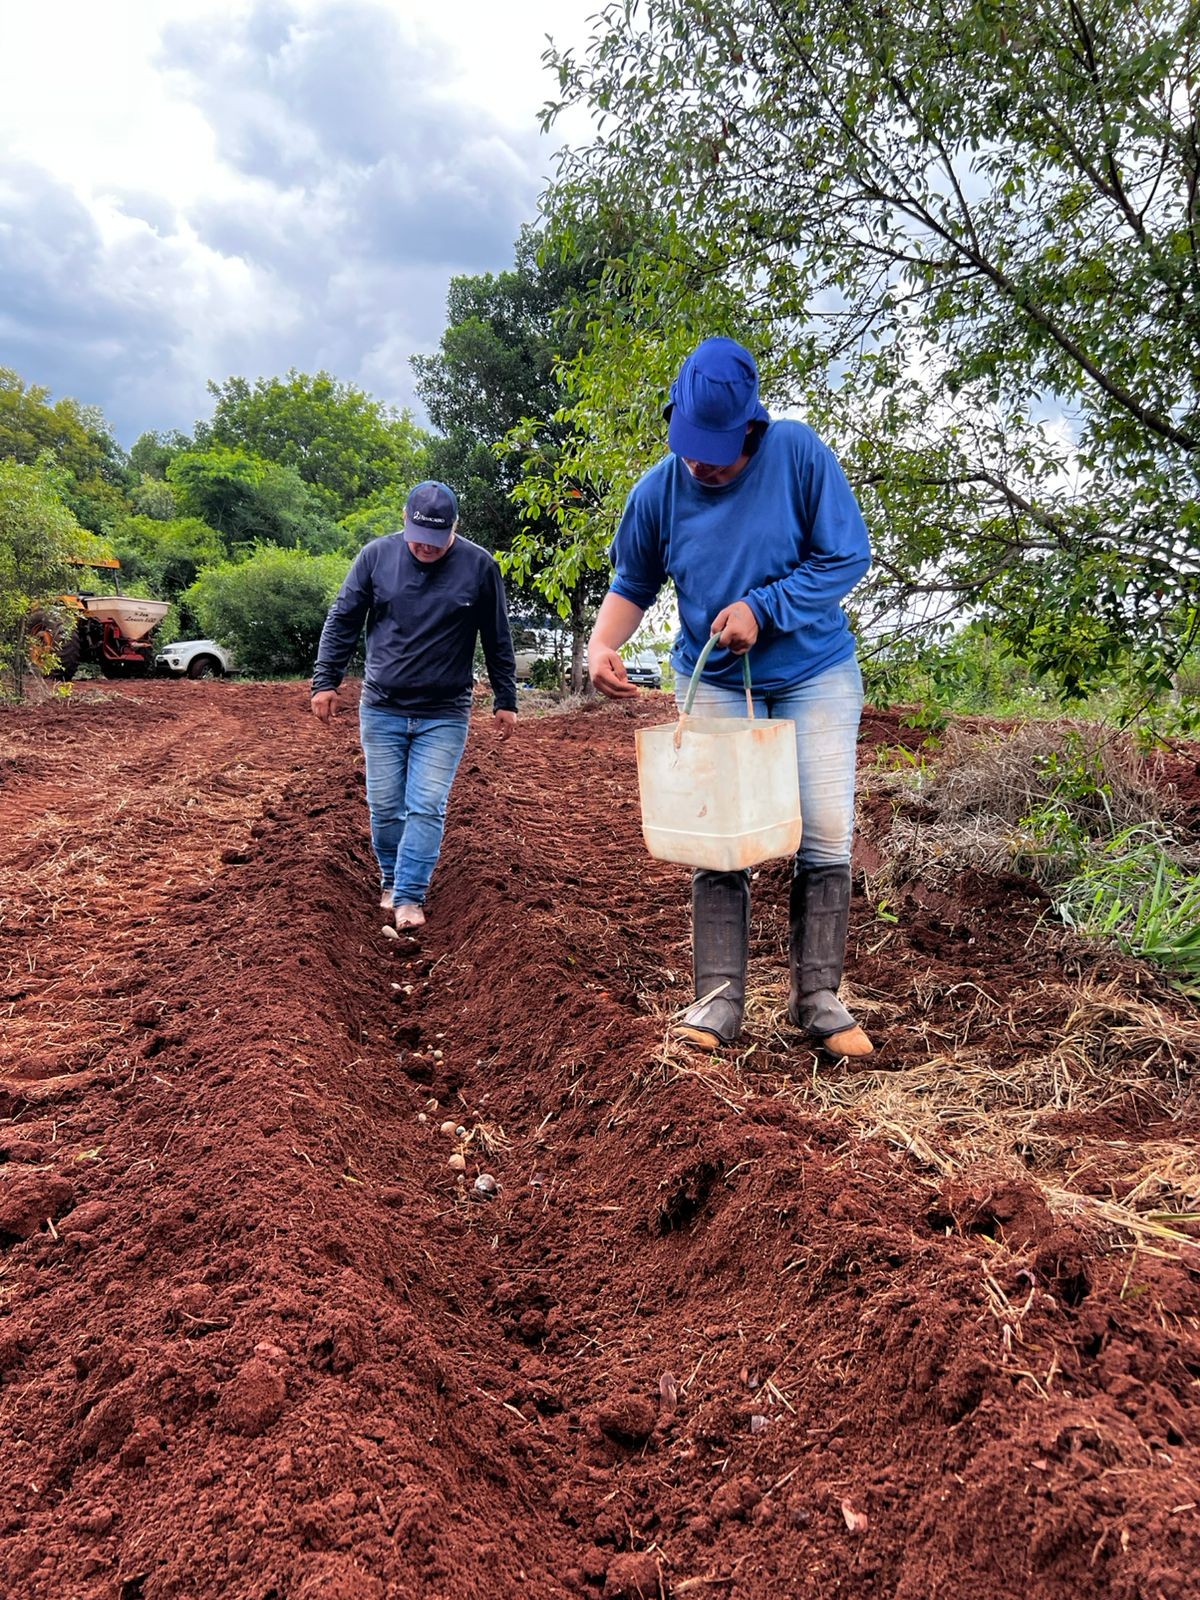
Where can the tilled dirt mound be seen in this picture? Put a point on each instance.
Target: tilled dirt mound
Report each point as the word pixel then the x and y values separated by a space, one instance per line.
pixel 258 1338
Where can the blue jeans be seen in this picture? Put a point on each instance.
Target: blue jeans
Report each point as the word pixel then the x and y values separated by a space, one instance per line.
pixel 826 711
pixel 411 762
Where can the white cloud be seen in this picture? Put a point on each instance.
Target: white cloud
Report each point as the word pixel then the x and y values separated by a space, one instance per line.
pixel 194 188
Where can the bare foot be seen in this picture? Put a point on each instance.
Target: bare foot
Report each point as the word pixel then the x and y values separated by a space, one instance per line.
pixel 409 916
pixel 385 903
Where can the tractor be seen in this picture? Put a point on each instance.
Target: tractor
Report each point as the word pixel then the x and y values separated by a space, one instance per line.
pixel 112 630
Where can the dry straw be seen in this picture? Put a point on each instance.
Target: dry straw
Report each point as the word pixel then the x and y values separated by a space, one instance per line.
pixel 1040 1085
pixel 991 1098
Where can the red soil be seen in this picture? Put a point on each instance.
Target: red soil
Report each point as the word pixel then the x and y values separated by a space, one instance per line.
pixel 257 1339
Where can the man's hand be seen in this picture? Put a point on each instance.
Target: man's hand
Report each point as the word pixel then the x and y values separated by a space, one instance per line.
pixel 607 672
pixel 736 627
pixel 325 705
pixel 504 722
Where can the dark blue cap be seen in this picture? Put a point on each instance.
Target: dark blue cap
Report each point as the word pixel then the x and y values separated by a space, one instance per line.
pixel 430 514
pixel 712 400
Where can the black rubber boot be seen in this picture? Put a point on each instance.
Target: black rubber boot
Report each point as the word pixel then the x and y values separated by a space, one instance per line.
pixel 720 946
pixel 819 915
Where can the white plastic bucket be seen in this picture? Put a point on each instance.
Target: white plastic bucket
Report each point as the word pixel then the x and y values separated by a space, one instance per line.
pixel 719 792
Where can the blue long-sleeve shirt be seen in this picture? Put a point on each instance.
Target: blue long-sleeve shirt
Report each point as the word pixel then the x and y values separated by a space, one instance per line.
pixel 422 619
pixel 786 535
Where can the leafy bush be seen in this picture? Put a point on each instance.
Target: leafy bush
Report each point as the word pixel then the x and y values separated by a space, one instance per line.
pixel 38 538
pixel 545 674
pixel 1077 807
pixel 971 672
pixel 371 522
pixel 167 555
pixel 1093 777
pixel 269 609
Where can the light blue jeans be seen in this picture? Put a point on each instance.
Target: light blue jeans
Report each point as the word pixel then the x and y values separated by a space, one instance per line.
pixel 826 711
pixel 411 762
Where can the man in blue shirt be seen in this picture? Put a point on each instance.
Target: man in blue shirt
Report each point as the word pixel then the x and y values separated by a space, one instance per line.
pixel 754 523
pixel 425 596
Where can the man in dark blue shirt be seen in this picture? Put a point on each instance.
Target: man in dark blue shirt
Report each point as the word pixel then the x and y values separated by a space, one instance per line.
pixel 426 595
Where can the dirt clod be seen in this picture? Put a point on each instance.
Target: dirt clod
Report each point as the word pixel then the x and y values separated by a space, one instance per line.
pixel 735 1499
pixel 29 1201
pixel 632 1577
pixel 628 1418
pixel 253 1399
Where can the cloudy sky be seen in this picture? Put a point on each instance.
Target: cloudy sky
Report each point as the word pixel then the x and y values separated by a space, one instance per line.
pixel 195 188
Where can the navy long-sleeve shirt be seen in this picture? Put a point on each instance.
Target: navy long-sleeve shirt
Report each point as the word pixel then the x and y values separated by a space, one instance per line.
pixel 422 620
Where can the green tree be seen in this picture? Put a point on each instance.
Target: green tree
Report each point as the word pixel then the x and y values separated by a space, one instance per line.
pixel 153 452
pixel 967 234
pixel 166 556
pixel 249 500
pixel 372 522
pixel 38 538
pixel 494 366
pixel 633 321
pixel 494 390
pixel 268 609
pixel 76 438
pixel 154 498
pixel 348 448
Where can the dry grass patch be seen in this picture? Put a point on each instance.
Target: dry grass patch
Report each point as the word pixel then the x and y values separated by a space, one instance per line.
pixel 1001 1095
pixel 1100 774
pixel 1008 800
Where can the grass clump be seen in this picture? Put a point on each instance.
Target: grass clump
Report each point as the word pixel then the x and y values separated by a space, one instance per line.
pixel 1129 890
pixel 1075 806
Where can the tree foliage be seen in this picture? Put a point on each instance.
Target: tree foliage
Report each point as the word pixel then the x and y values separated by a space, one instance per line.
pixel 495 390
pixel 166 556
pixel 153 452
pixel 268 609
pixel 249 500
pixel 966 234
pixel 179 509
pixel 38 538
pixel 76 438
pixel 643 312
pixel 154 498
pixel 495 368
pixel 349 449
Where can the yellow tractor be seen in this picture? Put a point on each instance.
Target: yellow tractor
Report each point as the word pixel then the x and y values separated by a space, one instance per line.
pixel 112 630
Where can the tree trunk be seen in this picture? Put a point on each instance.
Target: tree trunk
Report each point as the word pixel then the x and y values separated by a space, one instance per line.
pixel 578 641
pixel 12 664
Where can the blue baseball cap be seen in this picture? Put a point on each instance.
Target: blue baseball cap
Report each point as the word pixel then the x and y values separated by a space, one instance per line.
pixel 430 514
pixel 712 400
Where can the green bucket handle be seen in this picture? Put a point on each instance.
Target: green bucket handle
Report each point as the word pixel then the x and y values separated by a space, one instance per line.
pixel 695 683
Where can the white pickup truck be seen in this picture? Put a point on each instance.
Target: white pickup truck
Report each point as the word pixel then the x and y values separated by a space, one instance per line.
pixel 194 658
